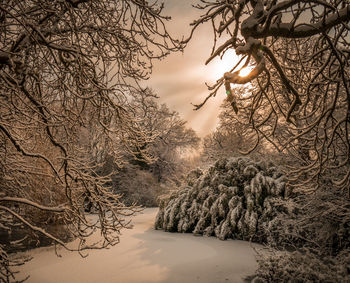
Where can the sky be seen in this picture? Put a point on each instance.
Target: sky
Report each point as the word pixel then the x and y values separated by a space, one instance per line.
pixel 179 79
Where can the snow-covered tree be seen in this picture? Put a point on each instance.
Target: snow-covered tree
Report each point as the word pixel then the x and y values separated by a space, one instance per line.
pixel 235 198
pixel 152 165
pixel 232 137
pixel 300 92
pixel 67 68
pixel 169 136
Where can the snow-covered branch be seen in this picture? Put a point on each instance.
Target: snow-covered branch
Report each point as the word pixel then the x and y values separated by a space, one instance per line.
pixel 67 69
pixel 291 30
pixel 58 209
pixel 299 84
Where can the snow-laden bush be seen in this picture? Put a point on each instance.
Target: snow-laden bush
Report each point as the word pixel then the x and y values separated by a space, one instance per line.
pixel 317 237
pixel 236 198
pixel 303 265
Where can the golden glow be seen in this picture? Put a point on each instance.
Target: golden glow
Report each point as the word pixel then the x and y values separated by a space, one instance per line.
pixel 245 71
pixel 219 67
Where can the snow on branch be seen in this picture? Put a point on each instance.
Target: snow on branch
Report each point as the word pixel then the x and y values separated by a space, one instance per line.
pixel 58 209
pixel 67 72
pixel 299 87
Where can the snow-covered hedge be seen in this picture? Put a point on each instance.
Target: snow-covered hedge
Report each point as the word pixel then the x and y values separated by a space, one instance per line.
pixel 236 198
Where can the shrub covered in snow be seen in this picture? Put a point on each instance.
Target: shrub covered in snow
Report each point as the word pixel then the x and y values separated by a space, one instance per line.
pixel 236 198
pixel 317 235
pixel 303 265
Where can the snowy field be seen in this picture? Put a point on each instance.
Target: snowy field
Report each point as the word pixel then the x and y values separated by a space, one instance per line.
pixel 147 255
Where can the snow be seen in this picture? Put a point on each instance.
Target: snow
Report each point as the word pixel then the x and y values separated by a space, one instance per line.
pixel 147 255
pixel 227 201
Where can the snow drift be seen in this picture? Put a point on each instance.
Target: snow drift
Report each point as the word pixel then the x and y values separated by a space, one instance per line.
pixel 236 198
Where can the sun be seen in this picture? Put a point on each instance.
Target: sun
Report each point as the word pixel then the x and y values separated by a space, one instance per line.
pixel 245 71
pixel 219 66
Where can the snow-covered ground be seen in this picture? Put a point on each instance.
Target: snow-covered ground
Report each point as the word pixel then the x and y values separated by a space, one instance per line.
pixel 147 255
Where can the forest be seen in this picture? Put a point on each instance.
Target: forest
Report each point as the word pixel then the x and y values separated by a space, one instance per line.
pixel 87 143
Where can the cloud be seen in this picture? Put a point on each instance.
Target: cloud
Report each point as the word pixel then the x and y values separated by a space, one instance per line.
pixel 180 78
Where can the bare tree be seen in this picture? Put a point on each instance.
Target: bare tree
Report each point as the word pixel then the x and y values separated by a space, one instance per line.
pixel 168 134
pixel 233 135
pixel 67 68
pixel 155 156
pixel 300 97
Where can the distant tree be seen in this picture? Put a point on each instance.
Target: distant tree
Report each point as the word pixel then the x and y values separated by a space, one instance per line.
pixel 168 137
pixel 67 68
pixel 232 137
pixel 155 155
pixel 300 96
